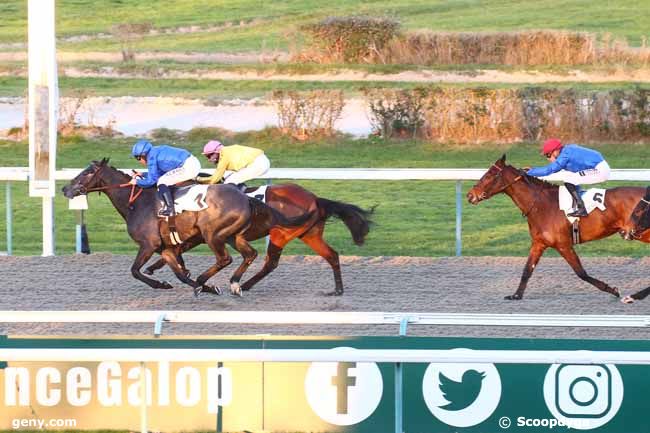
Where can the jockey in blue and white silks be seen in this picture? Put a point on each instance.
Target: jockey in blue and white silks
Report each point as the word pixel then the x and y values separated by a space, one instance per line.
pixel 166 166
pixel 576 165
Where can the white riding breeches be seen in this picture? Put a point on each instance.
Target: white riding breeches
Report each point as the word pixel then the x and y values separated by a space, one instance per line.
pixel 600 173
pixel 189 170
pixel 257 168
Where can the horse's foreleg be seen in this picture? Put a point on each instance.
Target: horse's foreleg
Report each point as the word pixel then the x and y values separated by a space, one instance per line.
pixel 223 260
pixel 248 255
pixel 144 254
pixel 536 251
pixel 273 253
pixel 573 260
pixel 185 246
pixel 314 238
pixel 170 256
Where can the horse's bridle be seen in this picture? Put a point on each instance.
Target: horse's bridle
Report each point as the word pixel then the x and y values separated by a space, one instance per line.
pixel 517 179
pixel 132 197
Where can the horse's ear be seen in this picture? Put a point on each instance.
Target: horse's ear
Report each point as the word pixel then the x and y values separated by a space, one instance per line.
pixel 104 161
pixel 502 160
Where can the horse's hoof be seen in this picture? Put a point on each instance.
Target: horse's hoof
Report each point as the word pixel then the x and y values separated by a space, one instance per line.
pixel 616 292
pixel 213 290
pixel 334 293
pixel 235 289
pixel 628 300
pixel 165 285
pixel 197 291
pixel 514 297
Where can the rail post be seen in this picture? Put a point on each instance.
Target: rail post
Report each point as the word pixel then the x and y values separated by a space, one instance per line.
pixel 459 217
pixel 9 220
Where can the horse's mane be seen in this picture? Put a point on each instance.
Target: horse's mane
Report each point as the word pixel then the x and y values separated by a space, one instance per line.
pixel 535 180
pixel 104 162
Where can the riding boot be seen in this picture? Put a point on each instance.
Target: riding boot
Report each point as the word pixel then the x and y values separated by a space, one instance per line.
pixel 579 206
pixel 242 187
pixel 168 201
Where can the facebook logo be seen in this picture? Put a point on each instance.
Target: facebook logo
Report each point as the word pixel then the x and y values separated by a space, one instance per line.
pixel 343 393
pixel 341 381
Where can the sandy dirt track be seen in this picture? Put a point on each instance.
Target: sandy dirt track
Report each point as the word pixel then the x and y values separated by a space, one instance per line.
pixel 380 284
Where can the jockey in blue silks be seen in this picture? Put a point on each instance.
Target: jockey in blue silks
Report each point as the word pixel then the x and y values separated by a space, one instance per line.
pixel 576 165
pixel 166 166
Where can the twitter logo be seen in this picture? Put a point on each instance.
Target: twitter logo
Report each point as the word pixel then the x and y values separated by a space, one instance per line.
pixel 461 394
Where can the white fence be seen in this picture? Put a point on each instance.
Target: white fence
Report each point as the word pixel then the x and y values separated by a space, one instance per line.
pixel 20 174
pixel 157 318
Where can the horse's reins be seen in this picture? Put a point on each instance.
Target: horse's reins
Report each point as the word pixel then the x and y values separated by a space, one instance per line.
pixel 133 196
pixel 517 179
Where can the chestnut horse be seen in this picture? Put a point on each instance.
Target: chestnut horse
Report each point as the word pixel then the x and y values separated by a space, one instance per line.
pixel 293 201
pixel 547 224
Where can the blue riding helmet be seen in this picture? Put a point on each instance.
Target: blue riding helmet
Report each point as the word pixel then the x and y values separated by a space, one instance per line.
pixel 141 148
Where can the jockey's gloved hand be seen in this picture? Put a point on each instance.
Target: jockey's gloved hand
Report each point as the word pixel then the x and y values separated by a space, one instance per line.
pixel 133 180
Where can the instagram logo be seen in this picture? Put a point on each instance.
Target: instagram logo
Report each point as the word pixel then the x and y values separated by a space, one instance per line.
pixel 583 396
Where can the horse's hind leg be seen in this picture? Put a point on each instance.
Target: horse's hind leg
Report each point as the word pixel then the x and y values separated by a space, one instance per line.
pixel 273 253
pixel 144 253
pixel 572 258
pixel 248 254
pixel 314 238
pixel 641 294
pixel 536 251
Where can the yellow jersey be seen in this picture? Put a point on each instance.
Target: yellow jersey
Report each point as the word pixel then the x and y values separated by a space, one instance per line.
pixel 232 158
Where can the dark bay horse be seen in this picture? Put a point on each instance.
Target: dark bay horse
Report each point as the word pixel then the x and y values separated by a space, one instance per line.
pixel 226 219
pixel 638 226
pixel 294 201
pixel 547 224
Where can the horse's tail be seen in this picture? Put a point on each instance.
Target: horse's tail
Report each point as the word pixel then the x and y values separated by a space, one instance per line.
pixel 356 219
pixel 276 218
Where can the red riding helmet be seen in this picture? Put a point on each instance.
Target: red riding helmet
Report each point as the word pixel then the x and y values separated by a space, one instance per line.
pixel 550 145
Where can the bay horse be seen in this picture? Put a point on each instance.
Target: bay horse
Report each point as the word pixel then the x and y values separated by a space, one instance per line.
pixel 547 224
pixel 638 226
pixel 226 219
pixel 294 201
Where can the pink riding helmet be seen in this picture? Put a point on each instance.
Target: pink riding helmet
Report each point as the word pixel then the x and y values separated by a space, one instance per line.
pixel 213 146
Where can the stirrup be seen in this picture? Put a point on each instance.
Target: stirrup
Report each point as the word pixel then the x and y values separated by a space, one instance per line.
pixel 580 212
pixel 165 212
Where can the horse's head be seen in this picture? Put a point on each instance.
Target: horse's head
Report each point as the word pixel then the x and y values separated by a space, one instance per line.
pixel 639 220
pixel 499 177
pixel 86 180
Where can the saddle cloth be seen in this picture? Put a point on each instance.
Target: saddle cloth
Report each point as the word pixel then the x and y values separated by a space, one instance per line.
pixel 258 193
pixel 594 198
pixel 190 198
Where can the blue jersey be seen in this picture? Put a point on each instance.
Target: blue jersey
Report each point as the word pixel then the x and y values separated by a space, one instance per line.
pixel 160 160
pixel 571 158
